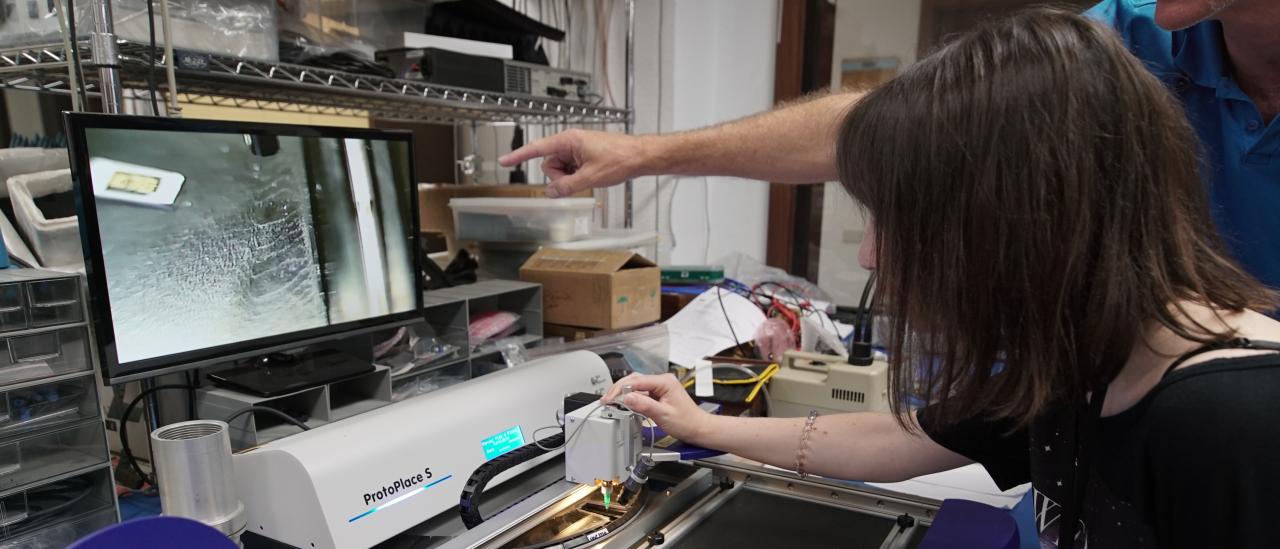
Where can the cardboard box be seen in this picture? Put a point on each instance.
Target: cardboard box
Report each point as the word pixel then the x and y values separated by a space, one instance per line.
pixel 576 333
pixel 672 303
pixel 600 289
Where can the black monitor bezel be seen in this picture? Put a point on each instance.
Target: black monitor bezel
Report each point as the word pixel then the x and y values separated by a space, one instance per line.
pixel 95 272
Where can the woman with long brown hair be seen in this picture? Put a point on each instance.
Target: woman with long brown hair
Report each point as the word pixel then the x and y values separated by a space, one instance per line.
pixel 1041 233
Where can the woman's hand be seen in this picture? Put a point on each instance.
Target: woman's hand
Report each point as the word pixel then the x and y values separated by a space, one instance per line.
pixel 664 400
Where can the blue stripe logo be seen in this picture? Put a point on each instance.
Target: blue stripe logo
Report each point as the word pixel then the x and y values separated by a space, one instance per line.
pixel 407 495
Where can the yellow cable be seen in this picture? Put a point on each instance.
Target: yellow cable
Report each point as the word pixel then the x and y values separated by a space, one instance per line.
pixel 764 378
pixel 759 381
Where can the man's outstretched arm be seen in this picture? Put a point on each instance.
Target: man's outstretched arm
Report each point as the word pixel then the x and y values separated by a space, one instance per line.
pixel 794 143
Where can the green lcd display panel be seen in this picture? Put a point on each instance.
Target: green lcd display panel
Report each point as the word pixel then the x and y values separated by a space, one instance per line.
pixel 503 442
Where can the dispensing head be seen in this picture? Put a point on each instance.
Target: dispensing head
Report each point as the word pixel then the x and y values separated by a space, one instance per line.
pixel 602 444
pixel 604 447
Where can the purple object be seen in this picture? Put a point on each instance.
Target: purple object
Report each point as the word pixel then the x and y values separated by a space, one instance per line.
pixel 687 451
pixel 963 524
pixel 156 532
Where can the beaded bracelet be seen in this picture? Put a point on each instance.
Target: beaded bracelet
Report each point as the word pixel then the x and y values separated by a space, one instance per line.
pixel 802 452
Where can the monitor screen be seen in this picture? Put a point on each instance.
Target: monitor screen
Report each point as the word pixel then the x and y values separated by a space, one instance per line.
pixel 208 241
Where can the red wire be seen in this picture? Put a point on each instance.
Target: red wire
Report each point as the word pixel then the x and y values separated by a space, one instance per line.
pixel 783 310
pixel 776 307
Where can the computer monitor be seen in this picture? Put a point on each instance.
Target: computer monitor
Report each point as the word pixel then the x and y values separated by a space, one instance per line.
pixel 206 242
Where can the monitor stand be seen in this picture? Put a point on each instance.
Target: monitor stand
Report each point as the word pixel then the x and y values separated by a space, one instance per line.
pixel 276 374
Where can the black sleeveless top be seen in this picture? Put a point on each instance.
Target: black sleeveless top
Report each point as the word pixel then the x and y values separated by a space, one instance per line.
pixel 1195 463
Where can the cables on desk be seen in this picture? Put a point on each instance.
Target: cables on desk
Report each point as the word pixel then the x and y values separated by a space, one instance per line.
pixel 267 410
pixel 777 299
pixel 736 342
pixel 125 451
pixel 761 379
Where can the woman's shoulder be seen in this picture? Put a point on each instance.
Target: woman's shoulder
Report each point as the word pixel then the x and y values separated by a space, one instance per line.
pixel 1212 399
pixel 1210 435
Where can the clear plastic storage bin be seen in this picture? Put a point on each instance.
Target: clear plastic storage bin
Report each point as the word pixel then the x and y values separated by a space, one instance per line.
pixel 63 534
pixel 39 406
pixel 54 514
pixel 430 381
pixel 33 458
pixel 33 298
pixel 13 308
pixel 55 301
pixel 32 356
pixel 522 219
pixel 240 28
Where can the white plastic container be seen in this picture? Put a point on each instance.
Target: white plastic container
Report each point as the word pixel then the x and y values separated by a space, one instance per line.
pixel 26 160
pixel 502 260
pixel 522 219
pixel 57 240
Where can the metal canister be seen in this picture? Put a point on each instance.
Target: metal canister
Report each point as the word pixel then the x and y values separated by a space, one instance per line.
pixel 193 468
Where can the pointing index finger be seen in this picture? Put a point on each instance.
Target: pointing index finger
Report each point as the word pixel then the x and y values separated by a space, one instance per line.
pixel 540 148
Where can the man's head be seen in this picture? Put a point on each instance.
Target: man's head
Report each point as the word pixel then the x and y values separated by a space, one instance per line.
pixel 1180 14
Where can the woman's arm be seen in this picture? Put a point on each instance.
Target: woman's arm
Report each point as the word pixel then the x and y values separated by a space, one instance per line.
pixel 866 446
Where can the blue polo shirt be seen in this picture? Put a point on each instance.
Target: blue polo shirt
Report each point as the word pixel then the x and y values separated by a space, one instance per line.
pixel 1242 151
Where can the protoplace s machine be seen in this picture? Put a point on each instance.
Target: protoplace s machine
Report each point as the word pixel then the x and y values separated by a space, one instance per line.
pixel 485 464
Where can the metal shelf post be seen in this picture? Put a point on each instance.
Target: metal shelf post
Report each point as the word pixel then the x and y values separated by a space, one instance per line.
pixel 103 49
pixel 628 189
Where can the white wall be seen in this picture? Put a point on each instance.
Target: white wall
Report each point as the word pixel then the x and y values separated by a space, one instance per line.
pixel 864 28
pixel 702 62
pixel 23 111
pixel 649 35
pixel 723 56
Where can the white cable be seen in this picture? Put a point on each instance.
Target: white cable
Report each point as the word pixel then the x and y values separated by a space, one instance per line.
pixel 497 169
pixel 604 20
pixel 571 435
pixel 537 439
pixel 166 22
pixel 706 204
pixel 653 425
pixel 657 182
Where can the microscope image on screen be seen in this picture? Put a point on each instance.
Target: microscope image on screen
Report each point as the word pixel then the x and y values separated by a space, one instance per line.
pixel 211 239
